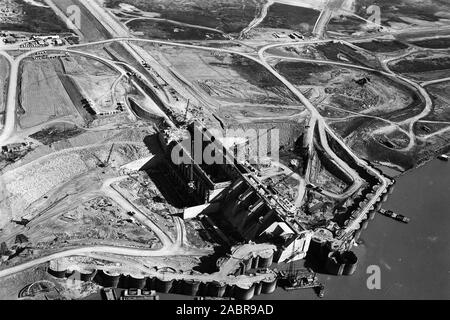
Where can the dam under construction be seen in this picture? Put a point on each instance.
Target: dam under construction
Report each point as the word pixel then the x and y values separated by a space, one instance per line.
pixel 254 223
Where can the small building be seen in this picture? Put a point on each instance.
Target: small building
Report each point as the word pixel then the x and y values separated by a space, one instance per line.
pixel 58 42
pixel 21 239
pixel 10 40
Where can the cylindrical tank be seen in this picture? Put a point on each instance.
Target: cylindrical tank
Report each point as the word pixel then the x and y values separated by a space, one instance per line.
pixel 83 275
pixel 350 260
pixel 136 281
pixel 248 264
pixel 229 291
pixel 333 264
pixel 318 248
pixel 57 269
pixel 269 285
pixel 151 283
pixel 258 288
pixel 265 259
pixel 357 235
pixel 163 285
pixel 255 262
pixel 365 224
pixel 378 205
pixel 57 273
pixel 216 289
pixel 190 287
pixel 244 292
pixel 108 279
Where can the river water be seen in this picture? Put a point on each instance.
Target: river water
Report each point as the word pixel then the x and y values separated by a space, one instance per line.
pixel 414 258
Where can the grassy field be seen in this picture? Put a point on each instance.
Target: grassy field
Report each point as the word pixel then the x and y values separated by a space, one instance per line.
pixel 424 65
pixel 382 46
pixel 42 95
pixel 53 89
pixel 4 73
pixel 440 94
pixel 397 14
pixel 337 87
pixel 290 17
pixel 169 31
pixel 229 16
pixel 440 43
pixel 91 29
pixel 36 19
pixel 236 88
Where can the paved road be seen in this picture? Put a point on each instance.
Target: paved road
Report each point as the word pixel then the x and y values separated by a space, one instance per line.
pixel 121 34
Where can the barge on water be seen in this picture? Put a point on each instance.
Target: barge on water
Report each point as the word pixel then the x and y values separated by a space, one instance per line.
pixel 391 214
pixel 301 279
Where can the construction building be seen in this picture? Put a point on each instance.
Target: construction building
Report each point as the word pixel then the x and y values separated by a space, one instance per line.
pixel 230 191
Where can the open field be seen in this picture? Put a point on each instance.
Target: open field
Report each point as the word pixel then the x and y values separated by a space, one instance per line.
pixel 54 89
pixel 31 18
pixel 96 221
pixel 440 93
pixel 434 43
pixel 397 14
pixel 382 46
pixel 232 86
pixel 95 81
pixel 42 95
pixel 91 28
pixel 171 31
pixel 337 51
pixel 290 17
pixel 423 65
pixel 142 192
pixel 350 89
pixel 63 174
pixel 4 75
pixel 230 16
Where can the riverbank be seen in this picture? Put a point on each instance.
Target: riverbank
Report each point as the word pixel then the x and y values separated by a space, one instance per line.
pixel 413 258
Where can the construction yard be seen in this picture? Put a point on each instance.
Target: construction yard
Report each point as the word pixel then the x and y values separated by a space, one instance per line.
pixel 236 89
pixel 29 16
pixel 229 16
pixel 294 18
pixel 347 89
pixel 424 65
pixel 171 31
pixel 4 75
pixel 440 94
pixel 91 28
pixel 69 87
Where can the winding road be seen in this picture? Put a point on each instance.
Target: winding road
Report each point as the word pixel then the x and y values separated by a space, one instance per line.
pixel 179 246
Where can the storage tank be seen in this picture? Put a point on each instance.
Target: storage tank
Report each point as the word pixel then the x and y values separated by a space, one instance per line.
pixel 269 285
pixel 108 279
pixel 244 291
pixel 190 287
pixel 216 289
pixel 350 260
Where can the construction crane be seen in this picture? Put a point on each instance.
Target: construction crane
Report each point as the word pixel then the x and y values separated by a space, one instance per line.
pixel 109 155
pixel 103 164
pixel 187 110
pixel 191 185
